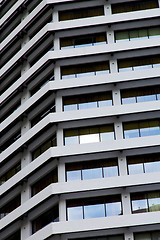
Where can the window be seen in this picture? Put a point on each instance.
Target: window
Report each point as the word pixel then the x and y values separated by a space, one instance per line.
pixel 112 237
pixel 50 216
pixel 52 142
pixel 89 135
pixel 147 235
pixel 141 33
pixel 141 129
pixel 11 140
pixel 81 13
pixel 51 177
pixel 134 6
pixel 83 41
pixel 87 101
pixel 49 109
pixel 14 236
pixel 145 202
pixel 137 95
pixel 84 70
pixel 91 169
pixel 138 63
pixel 10 173
pixel 94 207
pixel 42 83
pixel 143 164
pixel 11 110
pixel 9 207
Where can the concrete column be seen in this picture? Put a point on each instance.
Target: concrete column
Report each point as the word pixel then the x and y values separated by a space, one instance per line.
pixel 55 17
pixel 110 36
pixel 128 235
pixel 118 130
pixel 56 42
pixel 113 65
pixel 107 9
pixel 62 209
pixel 126 202
pixel 61 172
pixel 122 164
pixel 159 2
pixel 57 72
pixel 116 96
pixel 26 229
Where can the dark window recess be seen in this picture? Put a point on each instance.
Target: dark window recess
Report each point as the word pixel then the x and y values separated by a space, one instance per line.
pixel 84 70
pixel 52 177
pixel 137 95
pixel 147 235
pixel 134 6
pixel 49 109
pixel 10 173
pixel 104 206
pixel 113 237
pixel 40 84
pixel 14 236
pixel 11 110
pixel 93 100
pixel 81 13
pixel 145 202
pixel 11 140
pixel 134 64
pixel 52 142
pixel 50 216
pixel 82 41
pixel 143 163
pixel 92 169
pixel 141 128
pixel 9 207
pixel 10 81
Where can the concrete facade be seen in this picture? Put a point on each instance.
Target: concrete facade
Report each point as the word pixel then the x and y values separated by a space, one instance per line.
pixel 32 83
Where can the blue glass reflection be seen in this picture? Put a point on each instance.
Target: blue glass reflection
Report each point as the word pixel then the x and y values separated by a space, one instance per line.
pixel 94 211
pixel 73 175
pixel 91 173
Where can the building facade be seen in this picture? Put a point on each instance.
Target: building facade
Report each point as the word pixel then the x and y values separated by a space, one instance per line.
pixel 80 120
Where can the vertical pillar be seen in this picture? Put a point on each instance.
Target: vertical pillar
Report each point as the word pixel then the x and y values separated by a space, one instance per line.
pixel 126 202
pixel 107 9
pixel 62 209
pixel 25 126
pixel 122 164
pixel 128 235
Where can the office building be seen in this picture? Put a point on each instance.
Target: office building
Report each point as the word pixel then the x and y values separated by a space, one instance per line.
pixel 80 120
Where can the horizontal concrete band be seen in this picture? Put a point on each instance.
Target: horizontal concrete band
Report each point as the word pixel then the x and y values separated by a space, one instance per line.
pixel 21 2
pixel 117 18
pixel 59 55
pixel 109 111
pixel 90 185
pixel 85 81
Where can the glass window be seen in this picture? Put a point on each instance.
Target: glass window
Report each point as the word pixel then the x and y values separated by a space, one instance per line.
pixel 71 137
pixel 50 216
pixel 9 207
pixel 81 13
pixel 139 205
pixel 91 173
pixel 10 173
pixel 122 36
pixel 154 32
pixel 107 133
pixel 113 209
pixel 142 236
pixel 154 201
pixel 131 6
pixel 131 130
pixel 44 182
pixel 75 213
pixel 94 211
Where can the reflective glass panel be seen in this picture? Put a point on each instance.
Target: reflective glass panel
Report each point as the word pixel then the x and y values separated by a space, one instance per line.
pixel 113 209
pixel 135 168
pixel 87 105
pixel 146 98
pixel 94 211
pixel 131 133
pixel 152 166
pixel 90 138
pixel 134 35
pixel 75 213
pixel 128 100
pixel 154 204
pixel 91 173
pixel 71 140
pixel 139 206
pixel 73 175
pixel 70 107
pixel 111 171
pixel 142 236
pixel 122 36
pixel 105 103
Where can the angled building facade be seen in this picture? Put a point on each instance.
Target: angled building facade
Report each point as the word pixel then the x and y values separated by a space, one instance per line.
pixel 80 120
